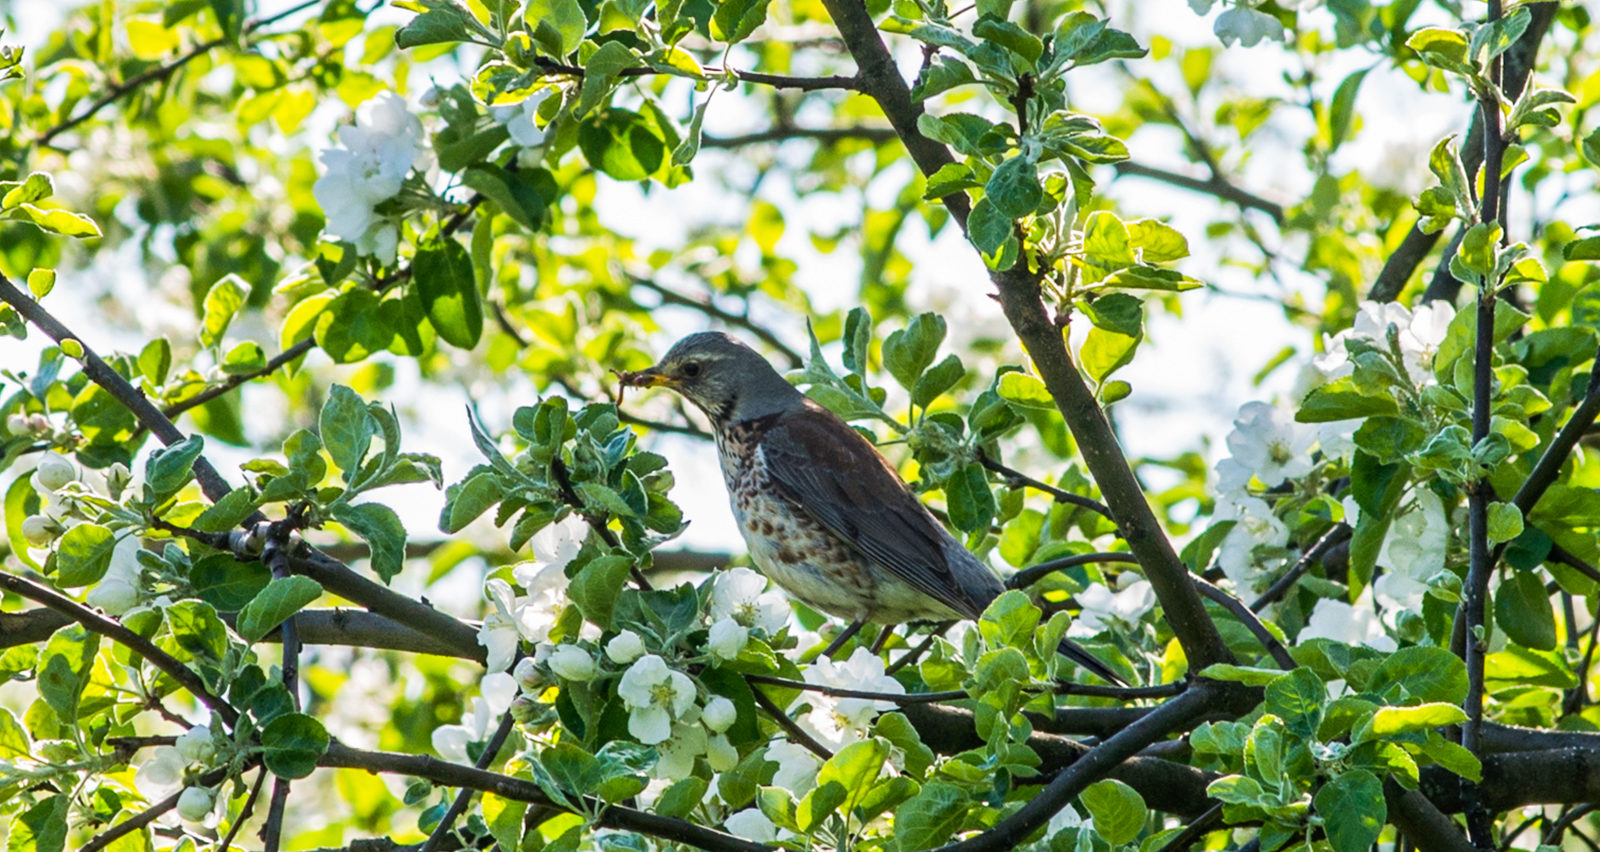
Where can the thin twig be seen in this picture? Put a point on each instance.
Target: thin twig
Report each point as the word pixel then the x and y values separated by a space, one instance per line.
pixel 1332 538
pixel 711 309
pixel 789 726
pixel 464 798
pixel 1249 619
pixel 837 692
pixel 1034 573
pixel 1017 479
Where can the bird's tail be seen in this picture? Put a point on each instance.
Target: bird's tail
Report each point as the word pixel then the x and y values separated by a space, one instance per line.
pixel 1074 652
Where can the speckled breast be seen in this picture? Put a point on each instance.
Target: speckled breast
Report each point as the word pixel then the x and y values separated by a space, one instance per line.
pixel 800 554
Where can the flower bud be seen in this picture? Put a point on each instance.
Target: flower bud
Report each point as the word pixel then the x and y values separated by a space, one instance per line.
pixel 572 663
pixel 719 714
pixel 625 647
pixel 114 595
pixel 528 676
pixel 39 423
pixel 727 638
pixel 196 746
pixel 195 803
pixel 117 479
pixel 54 472
pixel 40 530
pixel 524 709
pixel 17 424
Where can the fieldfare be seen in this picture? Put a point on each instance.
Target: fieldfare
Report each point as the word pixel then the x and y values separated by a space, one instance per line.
pixel 822 512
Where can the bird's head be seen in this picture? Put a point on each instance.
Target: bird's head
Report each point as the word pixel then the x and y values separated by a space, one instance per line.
pixel 726 379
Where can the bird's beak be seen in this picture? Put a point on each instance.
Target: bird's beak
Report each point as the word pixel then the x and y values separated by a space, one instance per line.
pixel 651 377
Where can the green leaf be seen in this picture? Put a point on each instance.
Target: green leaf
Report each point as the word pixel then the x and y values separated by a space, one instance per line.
pixel 41 282
pixel 987 227
pixel 1025 390
pixel 1522 609
pixel 1441 48
pixel 967 496
pixel 1394 721
pixel 169 467
pixel 346 429
pixel 1106 245
pixel 222 301
pixel 1505 522
pixel 680 799
pixel 818 805
pixel 936 380
pixel 1157 241
pixel 41 828
pixel 36 186
pixel 931 816
pixel 950 179
pixel 1342 109
pixel 445 281
pixel 622 143
pixel 1104 352
pixel 1014 188
pixel 909 351
pixel 854 768
pixel 1298 698
pixel 84 554
pixel 57 221
pixel 443 22
pixel 600 75
pixel 291 745
pixel 282 597
pixel 1339 400
pixel 1353 810
pixel 1118 810
pixel 64 669
pixel 516 196
pixel 384 533
pixel 1591 147
pixel 1430 674
pixel 597 585
pixel 558 25
pixel 735 20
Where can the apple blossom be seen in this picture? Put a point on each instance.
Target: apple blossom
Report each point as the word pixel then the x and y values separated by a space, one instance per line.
pixel 741 593
pixel 54 472
pixel 726 638
pixel 655 695
pixel 195 804
pixel 625 647
pixel 572 662
pixel 751 824
pixel 1104 609
pixel 719 714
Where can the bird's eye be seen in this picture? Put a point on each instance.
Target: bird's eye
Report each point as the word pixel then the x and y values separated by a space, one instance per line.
pixel 690 369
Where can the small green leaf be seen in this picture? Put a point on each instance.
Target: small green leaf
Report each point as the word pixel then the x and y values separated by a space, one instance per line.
pixel 597 585
pixel 58 221
pixel 1118 810
pixel 346 429
pixel 1353 810
pixel 84 554
pixel 222 301
pixel 292 744
pixel 1014 188
pixel 64 669
pixel 931 816
pixel 909 351
pixel 38 185
pixel 448 288
pixel 41 282
pixel 384 533
pixel 1025 390
pixel 282 598
pixel 1339 400
pixel 1522 609
pixel 1393 721
pixel 1505 522
pixel 169 467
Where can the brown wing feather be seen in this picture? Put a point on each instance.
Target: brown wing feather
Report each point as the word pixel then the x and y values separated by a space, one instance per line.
pixel 839 479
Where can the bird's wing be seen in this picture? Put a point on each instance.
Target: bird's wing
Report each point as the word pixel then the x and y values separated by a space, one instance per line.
pixel 838 478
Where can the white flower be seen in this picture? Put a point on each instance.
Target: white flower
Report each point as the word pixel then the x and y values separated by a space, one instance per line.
pixel 572 663
pixel 1103 609
pixel 195 745
pixel 1419 334
pixel 797 766
pixel 195 803
pixel 1267 442
pixel 751 824
pixel 1413 552
pixel 451 741
pixel 376 154
pixel 841 721
pixel 1256 527
pixel 1341 622
pixel 40 530
pixel 1246 26
pixel 625 647
pixel 555 546
pixel 162 774
pixel 676 753
pixel 740 593
pixel 727 638
pixel 498 634
pixel 654 695
pixel 520 119
pixel 54 472
pixel 719 714
pixel 118 591
pixel 1233 479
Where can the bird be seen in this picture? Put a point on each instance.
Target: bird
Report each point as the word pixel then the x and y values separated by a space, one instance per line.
pixel 822 512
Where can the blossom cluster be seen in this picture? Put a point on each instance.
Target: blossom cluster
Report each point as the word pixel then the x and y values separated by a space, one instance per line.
pixel 368 168
pixel 1269 451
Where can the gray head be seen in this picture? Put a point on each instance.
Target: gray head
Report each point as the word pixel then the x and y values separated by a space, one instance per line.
pixel 726 379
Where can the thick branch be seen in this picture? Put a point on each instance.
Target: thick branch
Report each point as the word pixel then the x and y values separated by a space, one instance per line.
pixel 1043 340
pixel 517 789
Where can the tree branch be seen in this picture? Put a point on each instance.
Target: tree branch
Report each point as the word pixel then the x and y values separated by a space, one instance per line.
pixel 1214 185
pixel 785 133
